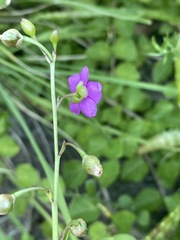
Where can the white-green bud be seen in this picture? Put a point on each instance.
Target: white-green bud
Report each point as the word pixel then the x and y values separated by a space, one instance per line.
pixel 78 228
pixel 54 37
pixel 11 38
pixel 4 3
pixel 92 165
pixel 6 203
pixel 28 27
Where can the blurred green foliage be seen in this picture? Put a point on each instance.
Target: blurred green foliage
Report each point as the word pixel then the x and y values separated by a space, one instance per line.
pixel 132 48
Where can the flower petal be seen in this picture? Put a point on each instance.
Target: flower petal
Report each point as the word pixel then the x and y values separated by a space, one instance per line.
pixel 94 91
pixel 75 108
pixel 88 107
pixel 73 82
pixel 84 74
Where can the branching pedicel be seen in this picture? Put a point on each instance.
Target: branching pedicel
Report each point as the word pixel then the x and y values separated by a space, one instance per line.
pixel 84 98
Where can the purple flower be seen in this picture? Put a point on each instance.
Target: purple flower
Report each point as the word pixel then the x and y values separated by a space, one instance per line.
pixel 86 94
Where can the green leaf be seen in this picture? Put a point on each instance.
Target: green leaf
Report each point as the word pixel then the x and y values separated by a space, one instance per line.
pixel 21 204
pixel 82 206
pixel 115 148
pixel 125 49
pixel 46 229
pixel 112 115
pixel 168 172
pixel 149 199
pixel 134 170
pixel 124 28
pixel 140 127
pixel 161 71
pixel 130 145
pixel 124 201
pixel 124 220
pixel 113 92
pixel 111 171
pixel 172 201
pixel 143 218
pixel 127 71
pixel 135 99
pixel 161 111
pixel 100 51
pixel 97 145
pixel 8 147
pixel 26 236
pixel 86 133
pixel 97 230
pixel 27 175
pixel 90 186
pixel 73 173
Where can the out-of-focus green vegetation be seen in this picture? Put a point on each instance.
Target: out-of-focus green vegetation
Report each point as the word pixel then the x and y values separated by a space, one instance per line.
pixel 132 47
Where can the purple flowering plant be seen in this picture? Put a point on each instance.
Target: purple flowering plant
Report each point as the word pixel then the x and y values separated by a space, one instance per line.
pixel 87 94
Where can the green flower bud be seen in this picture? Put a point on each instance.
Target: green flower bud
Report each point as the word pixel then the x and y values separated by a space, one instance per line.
pixel 6 203
pixel 28 27
pixel 11 38
pixel 78 228
pixel 54 38
pixel 4 3
pixel 92 165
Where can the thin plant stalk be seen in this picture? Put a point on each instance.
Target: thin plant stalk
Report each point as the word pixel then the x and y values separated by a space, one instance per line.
pixel 57 193
pixel 56 155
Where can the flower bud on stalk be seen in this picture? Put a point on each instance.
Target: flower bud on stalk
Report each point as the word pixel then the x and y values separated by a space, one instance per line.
pixel 78 228
pixel 6 203
pixel 11 38
pixel 54 38
pixel 92 165
pixel 28 28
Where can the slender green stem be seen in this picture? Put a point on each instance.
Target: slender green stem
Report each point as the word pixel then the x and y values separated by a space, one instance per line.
pixel 79 150
pixel 60 99
pixel 56 155
pixel 5 171
pixel 58 197
pixel 40 46
pixel 25 190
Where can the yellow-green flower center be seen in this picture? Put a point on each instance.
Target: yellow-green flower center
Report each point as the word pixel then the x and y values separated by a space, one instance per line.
pixel 80 94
